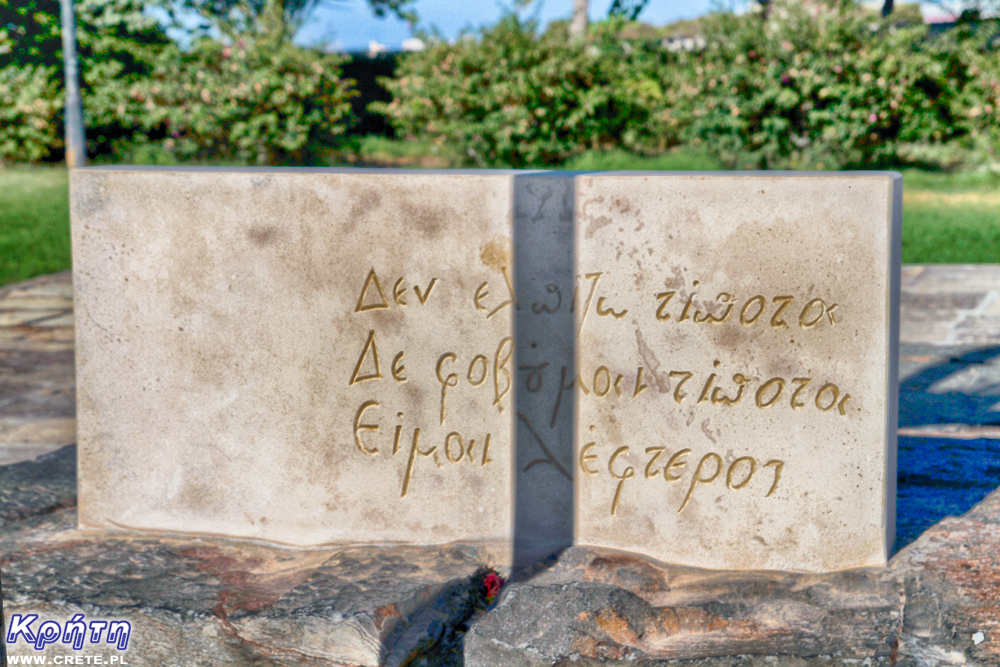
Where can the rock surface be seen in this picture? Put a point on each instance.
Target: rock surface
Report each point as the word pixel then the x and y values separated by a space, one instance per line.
pixel 205 601
pixel 595 605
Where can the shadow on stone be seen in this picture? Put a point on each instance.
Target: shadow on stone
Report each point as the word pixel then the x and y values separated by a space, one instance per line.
pixel 545 337
pixel 940 477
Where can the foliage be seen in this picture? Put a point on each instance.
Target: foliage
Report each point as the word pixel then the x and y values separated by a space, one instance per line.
pixel 261 100
pixel 29 111
pixel 513 97
pixel 808 87
pixel 116 43
pixel 821 89
pixel 630 9
pixel 679 159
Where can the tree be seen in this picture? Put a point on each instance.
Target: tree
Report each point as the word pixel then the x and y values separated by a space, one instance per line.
pixel 630 9
pixel 234 17
pixel 117 45
pixel 578 24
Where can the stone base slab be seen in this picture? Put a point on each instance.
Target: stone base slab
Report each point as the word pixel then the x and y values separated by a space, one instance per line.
pixel 203 601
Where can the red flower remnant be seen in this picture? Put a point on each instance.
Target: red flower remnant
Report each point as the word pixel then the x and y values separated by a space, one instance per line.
pixel 493 582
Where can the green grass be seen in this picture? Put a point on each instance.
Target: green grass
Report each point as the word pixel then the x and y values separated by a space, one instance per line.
pixel 34 222
pixel 619 160
pixel 961 227
pixel 951 218
pixel 966 181
pixel 947 218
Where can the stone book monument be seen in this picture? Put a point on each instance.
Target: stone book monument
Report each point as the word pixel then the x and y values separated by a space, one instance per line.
pixel 699 368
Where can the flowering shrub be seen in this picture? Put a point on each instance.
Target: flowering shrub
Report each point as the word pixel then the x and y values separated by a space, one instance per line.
pixel 29 111
pixel 808 87
pixel 116 44
pixel 513 97
pixel 260 101
pixel 821 89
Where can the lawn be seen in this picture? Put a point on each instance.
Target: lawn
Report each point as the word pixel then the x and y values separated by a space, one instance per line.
pixel 34 222
pixel 947 218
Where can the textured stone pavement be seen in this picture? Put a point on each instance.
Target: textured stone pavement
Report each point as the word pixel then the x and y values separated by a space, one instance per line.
pixel 37 388
pixel 950 351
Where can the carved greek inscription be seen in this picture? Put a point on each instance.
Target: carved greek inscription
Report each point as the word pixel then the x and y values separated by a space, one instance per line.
pixel 370 301
pixel 487 372
pixel 533 381
pixel 538 308
pixel 398 290
pixel 815 311
pixel 640 386
pixel 371 349
pixel 505 350
pixel 548 458
pixel 423 296
pixel 770 392
pixel 621 476
pixel 373 298
pixel 476 374
pixel 604 311
pixel 450 381
pixel 398 368
pixel 603 308
pixel 482 292
pixel 359 427
pixel 715 388
pixel 710 468
pixel 457 449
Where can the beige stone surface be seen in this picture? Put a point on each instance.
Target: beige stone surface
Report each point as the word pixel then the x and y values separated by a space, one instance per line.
pixel 737 368
pixel 302 356
pixel 259 350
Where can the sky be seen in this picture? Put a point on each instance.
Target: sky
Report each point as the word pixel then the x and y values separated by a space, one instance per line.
pixel 350 25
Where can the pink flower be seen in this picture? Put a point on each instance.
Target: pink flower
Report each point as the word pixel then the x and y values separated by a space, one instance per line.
pixel 226 52
pixel 872 118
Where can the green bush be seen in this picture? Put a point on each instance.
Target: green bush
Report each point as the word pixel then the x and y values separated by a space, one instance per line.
pixel 117 44
pixel 514 97
pixel 808 87
pixel 261 100
pixel 827 88
pixel 30 106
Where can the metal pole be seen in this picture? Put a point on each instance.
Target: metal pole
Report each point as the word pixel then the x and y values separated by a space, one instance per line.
pixel 76 141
